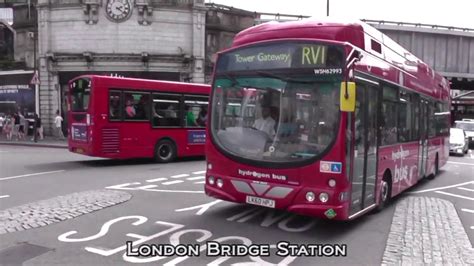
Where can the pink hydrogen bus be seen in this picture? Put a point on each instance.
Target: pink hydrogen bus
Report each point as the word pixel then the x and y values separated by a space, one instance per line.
pixel 327 119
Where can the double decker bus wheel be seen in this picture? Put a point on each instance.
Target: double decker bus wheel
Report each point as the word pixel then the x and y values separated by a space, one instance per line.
pixel 165 151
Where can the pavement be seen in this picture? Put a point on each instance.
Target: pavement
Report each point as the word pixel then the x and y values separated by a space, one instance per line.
pixel 47 142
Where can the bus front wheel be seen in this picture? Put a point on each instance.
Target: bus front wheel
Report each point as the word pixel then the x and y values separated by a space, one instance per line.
pixel 385 192
pixel 165 151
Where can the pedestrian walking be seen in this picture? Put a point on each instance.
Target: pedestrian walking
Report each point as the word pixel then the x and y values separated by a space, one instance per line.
pixel 16 126
pixel 8 127
pixel 22 130
pixel 58 121
pixel 37 128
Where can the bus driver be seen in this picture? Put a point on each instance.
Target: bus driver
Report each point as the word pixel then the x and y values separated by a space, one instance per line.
pixel 266 122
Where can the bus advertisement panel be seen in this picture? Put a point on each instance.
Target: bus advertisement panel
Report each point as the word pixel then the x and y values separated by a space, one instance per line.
pixel 281 135
pixel 122 118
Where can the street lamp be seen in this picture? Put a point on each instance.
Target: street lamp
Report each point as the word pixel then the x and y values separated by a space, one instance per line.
pixel 327 8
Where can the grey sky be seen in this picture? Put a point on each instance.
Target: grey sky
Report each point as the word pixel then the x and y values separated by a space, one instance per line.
pixel 459 13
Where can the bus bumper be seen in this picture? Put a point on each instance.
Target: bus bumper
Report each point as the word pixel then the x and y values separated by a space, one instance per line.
pixel 297 205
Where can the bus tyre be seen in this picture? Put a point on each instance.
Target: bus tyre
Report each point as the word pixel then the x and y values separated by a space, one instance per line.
pixel 165 151
pixel 385 192
pixel 436 169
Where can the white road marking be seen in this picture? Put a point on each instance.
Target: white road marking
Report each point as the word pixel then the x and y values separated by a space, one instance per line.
pixel 454 195
pixel 472 227
pixel 121 186
pixel 157 179
pixel 201 208
pixel 195 178
pixel 439 188
pixel 200 182
pixel 179 176
pixel 466 189
pixel 4 196
pixel 467 210
pixel 147 187
pixel 172 182
pixel 461 163
pixel 34 174
pixel 199 172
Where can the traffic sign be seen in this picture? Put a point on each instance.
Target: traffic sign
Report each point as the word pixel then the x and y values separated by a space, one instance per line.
pixel 35 80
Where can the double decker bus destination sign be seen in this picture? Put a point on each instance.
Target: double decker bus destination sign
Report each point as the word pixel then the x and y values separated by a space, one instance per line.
pixel 283 56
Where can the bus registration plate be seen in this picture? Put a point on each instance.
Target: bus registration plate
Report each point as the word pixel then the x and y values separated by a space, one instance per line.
pixel 260 201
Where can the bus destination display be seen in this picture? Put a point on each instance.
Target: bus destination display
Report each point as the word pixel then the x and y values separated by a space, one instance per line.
pixel 281 56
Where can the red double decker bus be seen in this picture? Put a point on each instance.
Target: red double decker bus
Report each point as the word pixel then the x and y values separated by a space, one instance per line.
pixel 122 118
pixel 326 119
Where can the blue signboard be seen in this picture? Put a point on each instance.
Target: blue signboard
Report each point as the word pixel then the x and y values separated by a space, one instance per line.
pixel 79 132
pixel 196 136
pixel 336 167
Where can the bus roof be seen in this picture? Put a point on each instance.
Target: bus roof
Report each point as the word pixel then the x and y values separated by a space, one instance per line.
pixel 417 75
pixel 135 83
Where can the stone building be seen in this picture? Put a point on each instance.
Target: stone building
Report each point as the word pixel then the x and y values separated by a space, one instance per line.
pixel 155 39
pixel 222 23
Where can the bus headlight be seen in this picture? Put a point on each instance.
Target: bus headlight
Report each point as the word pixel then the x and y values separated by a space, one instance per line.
pixel 323 197
pixel 211 180
pixel 332 183
pixel 220 183
pixel 310 196
pixel 209 166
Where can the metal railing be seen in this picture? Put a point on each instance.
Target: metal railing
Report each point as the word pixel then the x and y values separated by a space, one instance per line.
pixel 419 25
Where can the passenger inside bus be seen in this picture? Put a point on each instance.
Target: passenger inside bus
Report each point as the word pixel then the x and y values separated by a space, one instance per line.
pixel 114 106
pixel 129 108
pixel 142 107
pixel 202 118
pixel 190 118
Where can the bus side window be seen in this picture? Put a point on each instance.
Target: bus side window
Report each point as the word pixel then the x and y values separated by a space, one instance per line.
pixel 166 110
pixel 195 111
pixel 136 106
pixel 114 105
pixel 389 116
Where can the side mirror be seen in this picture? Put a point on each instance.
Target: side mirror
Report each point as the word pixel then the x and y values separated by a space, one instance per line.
pixel 348 96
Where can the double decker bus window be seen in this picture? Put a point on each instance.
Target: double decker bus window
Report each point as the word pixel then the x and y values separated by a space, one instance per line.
pixel 80 94
pixel 166 110
pixel 136 106
pixel 114 105
pixel 195 111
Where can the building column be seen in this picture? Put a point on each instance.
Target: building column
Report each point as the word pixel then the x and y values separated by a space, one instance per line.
pixel 198 41
pixel 49 97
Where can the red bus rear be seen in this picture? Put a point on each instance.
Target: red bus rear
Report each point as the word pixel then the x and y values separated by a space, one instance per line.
pixel 322 119
pixel 123 118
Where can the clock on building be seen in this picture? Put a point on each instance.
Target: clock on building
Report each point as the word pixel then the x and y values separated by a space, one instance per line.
pixel 118 10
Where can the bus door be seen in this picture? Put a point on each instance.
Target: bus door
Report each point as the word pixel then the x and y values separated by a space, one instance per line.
pixel 423 143
pixel 365 146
